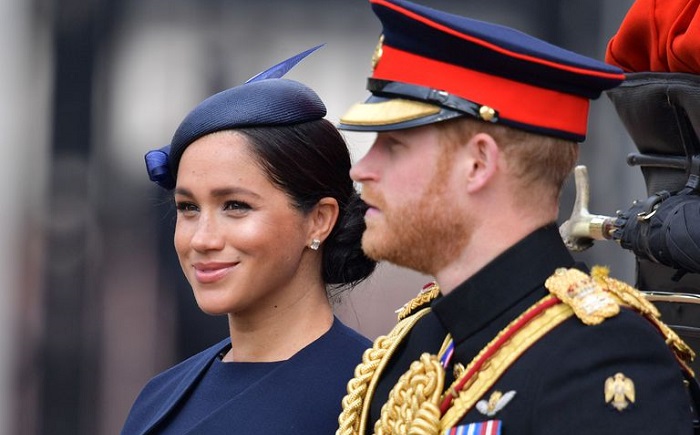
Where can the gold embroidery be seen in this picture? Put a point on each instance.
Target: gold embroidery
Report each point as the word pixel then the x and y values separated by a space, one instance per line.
pixel 378 51
pixel 428 293
pixel 590 302
pixel 618 390
pixel 627 294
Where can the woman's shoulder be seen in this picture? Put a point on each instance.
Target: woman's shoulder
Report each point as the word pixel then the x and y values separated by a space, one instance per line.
pixel 165 388
pixel 191 367
pixel 344 332
pixel 340 347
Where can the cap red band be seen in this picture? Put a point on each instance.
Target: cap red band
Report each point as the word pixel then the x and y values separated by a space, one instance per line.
pixel 514 101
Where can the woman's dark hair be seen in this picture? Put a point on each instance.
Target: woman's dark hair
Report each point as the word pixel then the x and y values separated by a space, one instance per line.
pixel 310 161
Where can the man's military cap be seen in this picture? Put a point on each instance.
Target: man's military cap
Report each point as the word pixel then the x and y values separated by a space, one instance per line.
pixel 431 66
pixel 264 100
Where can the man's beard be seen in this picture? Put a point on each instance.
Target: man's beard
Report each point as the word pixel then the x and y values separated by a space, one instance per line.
pixel 423 235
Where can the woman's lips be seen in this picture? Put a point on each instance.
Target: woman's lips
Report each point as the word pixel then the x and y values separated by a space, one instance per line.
pixel 207 273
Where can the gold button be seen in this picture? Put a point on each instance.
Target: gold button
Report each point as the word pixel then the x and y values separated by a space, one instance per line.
pixel 486 113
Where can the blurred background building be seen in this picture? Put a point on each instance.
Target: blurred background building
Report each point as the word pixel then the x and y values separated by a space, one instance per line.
pixel 93 302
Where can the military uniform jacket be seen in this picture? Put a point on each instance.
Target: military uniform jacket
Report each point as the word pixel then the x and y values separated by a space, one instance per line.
pixel 299 396
pixel 558 386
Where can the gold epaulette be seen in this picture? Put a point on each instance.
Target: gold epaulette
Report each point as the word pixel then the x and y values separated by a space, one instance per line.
pixel 584 294
pixel 429 292
pixel 597 297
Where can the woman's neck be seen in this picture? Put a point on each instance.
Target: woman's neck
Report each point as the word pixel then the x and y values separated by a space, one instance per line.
pixel 279 333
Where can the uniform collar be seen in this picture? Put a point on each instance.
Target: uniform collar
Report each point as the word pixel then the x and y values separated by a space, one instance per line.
pixel 515 275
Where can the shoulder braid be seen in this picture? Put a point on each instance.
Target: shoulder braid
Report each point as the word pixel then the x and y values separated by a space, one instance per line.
pixel 598 296
pixel 352 420
pixel 429 292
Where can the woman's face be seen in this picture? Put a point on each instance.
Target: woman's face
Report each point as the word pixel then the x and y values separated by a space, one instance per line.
pixel 239 239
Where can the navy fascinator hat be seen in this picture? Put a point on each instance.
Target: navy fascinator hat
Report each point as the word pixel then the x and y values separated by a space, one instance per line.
pixel 264 100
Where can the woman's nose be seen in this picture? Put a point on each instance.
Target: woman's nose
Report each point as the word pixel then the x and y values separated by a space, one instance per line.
pixel 207 234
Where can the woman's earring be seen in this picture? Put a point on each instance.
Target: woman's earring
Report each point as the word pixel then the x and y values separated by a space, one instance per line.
pixel 315 243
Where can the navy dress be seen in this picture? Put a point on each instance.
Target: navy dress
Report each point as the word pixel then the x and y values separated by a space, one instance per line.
pixel 301 395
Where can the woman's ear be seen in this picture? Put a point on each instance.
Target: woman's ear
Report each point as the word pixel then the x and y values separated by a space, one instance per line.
pixel 323 218
pixel 482 160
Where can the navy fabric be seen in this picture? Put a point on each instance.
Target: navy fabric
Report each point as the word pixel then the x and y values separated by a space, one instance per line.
pixel 261 103
pixel 264 100
pixel 409 34
pixel 299 396
pixel 279 70
pixel 222 381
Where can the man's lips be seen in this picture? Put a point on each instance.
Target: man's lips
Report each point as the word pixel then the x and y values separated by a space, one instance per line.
pixel 371 208
pixel 371 211
pixel 207 273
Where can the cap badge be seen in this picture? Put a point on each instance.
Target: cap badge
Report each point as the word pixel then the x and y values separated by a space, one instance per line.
pixel 496 402
pixel 378 51
pixel 619 391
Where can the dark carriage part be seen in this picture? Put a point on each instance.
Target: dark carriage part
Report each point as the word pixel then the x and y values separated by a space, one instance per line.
pixel 661 113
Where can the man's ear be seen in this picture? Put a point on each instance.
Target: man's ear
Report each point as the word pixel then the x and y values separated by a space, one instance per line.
pixel 482 160
pixel 323 218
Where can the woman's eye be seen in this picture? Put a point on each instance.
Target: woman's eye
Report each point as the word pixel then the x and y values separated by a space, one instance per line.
pixel 236 206
pixel 186 207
